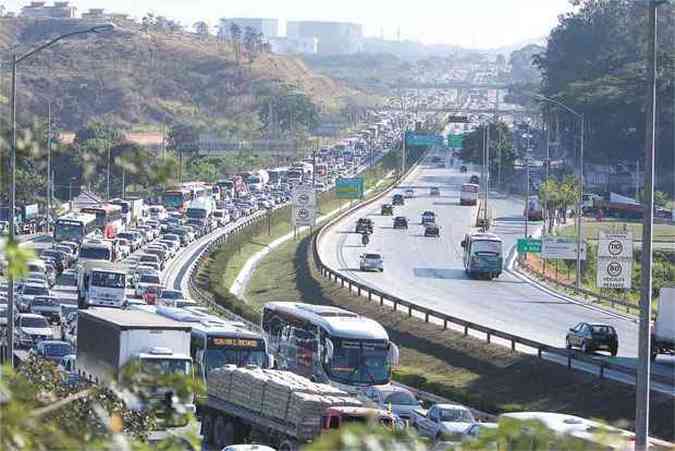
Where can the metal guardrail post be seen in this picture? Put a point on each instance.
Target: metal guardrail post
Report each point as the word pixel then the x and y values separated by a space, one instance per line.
pixel 488 337
pixel 410 311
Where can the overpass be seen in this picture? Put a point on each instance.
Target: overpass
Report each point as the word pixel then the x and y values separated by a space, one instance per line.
pixel 453 85
pixel 466 110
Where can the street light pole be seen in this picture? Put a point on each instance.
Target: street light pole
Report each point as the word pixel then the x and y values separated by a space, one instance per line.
pixel 12 173
pixel 644 336
pixel 49 162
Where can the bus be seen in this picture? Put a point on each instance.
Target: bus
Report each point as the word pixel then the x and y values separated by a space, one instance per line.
pixel 468 194
pixel 74 227
pixel 97 251
pixel 482 255
pixel 216 342
pixel 534 210
pixel 176 199
pixel 329 344
pixel 108 219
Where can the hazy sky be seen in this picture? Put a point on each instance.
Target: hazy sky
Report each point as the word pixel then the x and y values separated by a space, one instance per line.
pixel 469 23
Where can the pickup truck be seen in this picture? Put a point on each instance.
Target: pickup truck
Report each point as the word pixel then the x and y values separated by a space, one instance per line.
pixel 443 422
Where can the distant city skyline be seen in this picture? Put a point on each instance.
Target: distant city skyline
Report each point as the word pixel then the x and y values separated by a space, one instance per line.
pixel 477 24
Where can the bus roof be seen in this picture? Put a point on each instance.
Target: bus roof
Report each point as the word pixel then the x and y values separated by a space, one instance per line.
pixel 207 324
pixel 336 321
pixel 103 207
pixel 77 216
pixel 484 236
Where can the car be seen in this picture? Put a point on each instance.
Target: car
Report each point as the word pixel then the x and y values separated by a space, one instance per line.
pixel 387 210
pixel 68 279
pixel 474 179
pixel 434 191
pixel 3 315
pixel 428 217
pixel 432 230
pixel 593 337
pixel 170 298
pixel 364 225
pixel 134 238
pixel 397 199
pixel 46 306
pixel 400 222
pixel 400 400
pixel 145 281
pixel 53 350
pixel 68 368
pixel 30 329
pixel 150 258
pixel 371 262
pixel 60 258
pixel 462 169
pixel 409 193
pixel 443 422
pixel 69 252
pixel 123 247
pixel 28 292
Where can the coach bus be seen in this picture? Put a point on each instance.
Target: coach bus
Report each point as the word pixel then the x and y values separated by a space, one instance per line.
pixel 329 344
pixel 482 255
pixel 176 199
pixel 108 219
pixel 74 227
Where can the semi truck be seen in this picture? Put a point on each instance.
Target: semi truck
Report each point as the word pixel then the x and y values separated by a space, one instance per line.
pixel 110 339
pixel 663 330
pixel 101 284
pixel 281 408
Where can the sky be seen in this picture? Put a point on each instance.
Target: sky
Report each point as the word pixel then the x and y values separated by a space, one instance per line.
pixel 467 23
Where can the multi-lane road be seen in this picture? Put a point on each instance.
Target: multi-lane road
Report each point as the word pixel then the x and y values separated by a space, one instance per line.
pixel 430 273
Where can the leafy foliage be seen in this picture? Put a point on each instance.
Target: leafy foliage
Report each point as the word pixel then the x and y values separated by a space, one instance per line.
pixel 500 145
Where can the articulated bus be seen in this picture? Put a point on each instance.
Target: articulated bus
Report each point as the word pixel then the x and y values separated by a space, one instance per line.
pixel 329 344
pixel 482 255
pixel 74 227
pixel 108 219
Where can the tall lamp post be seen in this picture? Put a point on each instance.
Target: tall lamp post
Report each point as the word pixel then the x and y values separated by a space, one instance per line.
pixel 644 336
pixel 582 124
pixel 15 61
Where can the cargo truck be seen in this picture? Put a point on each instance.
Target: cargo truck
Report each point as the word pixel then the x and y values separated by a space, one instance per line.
pixel 101 284
pixel 663 330
pixel 277 408
pixel 109 339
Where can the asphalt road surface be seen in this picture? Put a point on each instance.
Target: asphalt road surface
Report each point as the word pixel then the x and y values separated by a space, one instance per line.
pixel 429 271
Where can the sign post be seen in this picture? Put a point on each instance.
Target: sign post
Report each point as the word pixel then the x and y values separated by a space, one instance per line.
pixel 615 260
pixel 561 249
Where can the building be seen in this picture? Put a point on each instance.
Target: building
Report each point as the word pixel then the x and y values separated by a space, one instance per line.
pixel 40 10
pixel 268 27
pixel 334 38
pixel 101 14
pixel 294 46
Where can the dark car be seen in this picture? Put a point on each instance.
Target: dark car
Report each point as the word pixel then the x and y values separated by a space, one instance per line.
pixel 53 350
pixel 387 210
pixel 397 199
pixel 428 217
pixel 474 179
pixel 364 225
pixel 400 222
pixel 59 257
pixel 432 230
pixel 434 191
pixel 462 168
pixel 436 159
pixel 593 337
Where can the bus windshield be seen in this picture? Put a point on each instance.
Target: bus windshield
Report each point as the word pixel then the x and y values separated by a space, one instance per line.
pixel 173 200
pixel 108 279
pixel 219 357
pixel 95 253
pixel 357 362
pixel 68 231
pixel 197 213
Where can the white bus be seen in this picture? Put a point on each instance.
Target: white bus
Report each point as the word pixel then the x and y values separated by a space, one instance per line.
pixel 329 344
pixel 468 194
pixel 96 251
pixel 74 227
pixel 482 255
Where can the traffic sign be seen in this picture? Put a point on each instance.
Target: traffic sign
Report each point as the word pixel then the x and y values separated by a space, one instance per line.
pixel 304 216
pixel 349 188
pixel 615 260
pixel 419 139
pixel 561 249
pixel 456 141
pixel 615 245
pixel 304 196
pixel 458 119
pixel 529 246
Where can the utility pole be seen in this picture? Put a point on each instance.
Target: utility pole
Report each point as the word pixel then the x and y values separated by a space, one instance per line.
pixel 486 168
pixel 124 186
pixel 107 145
pixel 644 337
pixel 49 163
pixel 580 203
pixel 547 169
pixel 12 209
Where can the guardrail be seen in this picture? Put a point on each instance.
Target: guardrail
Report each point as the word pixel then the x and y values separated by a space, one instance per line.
pixel 411 308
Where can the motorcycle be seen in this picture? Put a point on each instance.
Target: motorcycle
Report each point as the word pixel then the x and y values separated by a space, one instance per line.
pixel 365 239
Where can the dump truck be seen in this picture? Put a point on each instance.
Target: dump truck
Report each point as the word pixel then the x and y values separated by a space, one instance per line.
pixel 276 408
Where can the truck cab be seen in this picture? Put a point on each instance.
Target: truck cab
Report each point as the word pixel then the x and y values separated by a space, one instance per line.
pixel 101 285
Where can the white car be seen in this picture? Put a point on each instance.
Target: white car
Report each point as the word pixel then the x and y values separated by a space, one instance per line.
pixel 443 422
pixel 30 329
pixel 371 262
pixel 123 247
pixel 409 193
pixel 401 400
pixel 145 281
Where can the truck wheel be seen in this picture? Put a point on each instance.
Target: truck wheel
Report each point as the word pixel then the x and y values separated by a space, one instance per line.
pixel 288 445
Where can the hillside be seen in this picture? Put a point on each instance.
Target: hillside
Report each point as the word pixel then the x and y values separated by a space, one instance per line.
pixel 137 80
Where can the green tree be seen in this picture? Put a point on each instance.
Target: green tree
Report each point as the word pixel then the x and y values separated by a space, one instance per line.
pixel 502 153
pixel 523 69
pixel 550 197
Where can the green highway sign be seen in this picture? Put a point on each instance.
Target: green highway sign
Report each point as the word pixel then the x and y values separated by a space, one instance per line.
pixel 349 188
pixel 456 141
pixel 529 246
pixel 419 139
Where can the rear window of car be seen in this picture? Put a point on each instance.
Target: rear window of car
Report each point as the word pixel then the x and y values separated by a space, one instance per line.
pixel 602 330
pixel 401 399
pixel 372 256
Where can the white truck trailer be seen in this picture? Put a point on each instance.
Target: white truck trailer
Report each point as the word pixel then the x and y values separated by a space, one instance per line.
pixel 663 331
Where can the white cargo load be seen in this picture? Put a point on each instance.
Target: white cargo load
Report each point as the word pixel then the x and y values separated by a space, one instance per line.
pixel 663 333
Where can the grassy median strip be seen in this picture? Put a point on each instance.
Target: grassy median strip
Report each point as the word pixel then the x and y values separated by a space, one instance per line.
pixel 464 369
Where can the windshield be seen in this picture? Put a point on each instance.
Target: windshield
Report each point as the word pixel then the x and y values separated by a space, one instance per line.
pixel 355 363
pixel 67 231
pixel 217 358
pixel 170 294
pixel 108 279
pixel 34 322
pixel 95 253
pixel 68 279
pixel 172 200
pixel 486 247
pixel 166 366
pixel 150 278
pixel 58 349
pixel 401 399
pixel 42 301
pixel 456 416
pixel 196 213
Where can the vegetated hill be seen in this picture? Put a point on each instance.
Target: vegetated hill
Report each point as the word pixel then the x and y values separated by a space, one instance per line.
pixel 137 79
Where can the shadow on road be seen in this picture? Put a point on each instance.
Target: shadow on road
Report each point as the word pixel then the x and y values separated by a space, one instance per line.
pixel 439 273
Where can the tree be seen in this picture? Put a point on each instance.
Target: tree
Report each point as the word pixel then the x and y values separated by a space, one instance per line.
pixel 502 153
pixel 523 69
pixel 235 37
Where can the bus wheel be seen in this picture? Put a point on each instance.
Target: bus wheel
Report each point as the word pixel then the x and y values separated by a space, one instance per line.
pixel 288 445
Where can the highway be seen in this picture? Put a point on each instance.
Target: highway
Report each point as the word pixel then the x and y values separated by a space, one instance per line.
pixel 429 271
